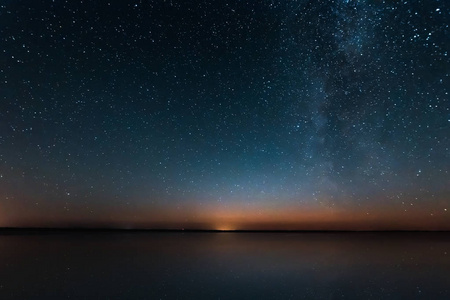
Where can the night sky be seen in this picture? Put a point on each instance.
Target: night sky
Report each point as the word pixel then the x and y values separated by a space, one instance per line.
pixel 225 114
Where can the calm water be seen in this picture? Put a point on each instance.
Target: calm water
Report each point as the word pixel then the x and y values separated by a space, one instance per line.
pixel 225 266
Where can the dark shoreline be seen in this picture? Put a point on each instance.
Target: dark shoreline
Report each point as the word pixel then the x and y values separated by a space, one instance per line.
pixel 37 230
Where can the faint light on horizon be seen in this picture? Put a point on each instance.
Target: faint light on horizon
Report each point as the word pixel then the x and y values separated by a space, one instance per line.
pixel 225 227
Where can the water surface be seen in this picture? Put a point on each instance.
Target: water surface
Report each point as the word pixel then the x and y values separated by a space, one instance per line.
pixel 179 265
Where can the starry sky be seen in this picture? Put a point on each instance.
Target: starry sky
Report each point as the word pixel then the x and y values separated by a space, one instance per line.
pixel 225 114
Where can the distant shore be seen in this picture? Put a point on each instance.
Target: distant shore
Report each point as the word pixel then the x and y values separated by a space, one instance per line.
pixel 12 230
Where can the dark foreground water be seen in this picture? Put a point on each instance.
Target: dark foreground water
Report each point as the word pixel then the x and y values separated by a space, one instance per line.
pixel 225 266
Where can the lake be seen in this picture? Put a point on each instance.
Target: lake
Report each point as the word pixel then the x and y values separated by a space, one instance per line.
pixel 207 265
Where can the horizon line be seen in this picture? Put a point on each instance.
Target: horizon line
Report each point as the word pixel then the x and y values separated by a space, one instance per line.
pixel 99 229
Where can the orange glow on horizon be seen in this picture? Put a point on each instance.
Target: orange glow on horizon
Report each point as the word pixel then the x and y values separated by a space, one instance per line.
pixel 244 217
pixel 233 216
pixel 224 227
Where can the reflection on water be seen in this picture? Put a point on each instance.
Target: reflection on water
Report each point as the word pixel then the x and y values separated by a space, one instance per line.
pixel 225 266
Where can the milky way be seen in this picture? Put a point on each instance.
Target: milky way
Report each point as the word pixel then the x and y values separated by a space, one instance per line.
pixel 225 114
